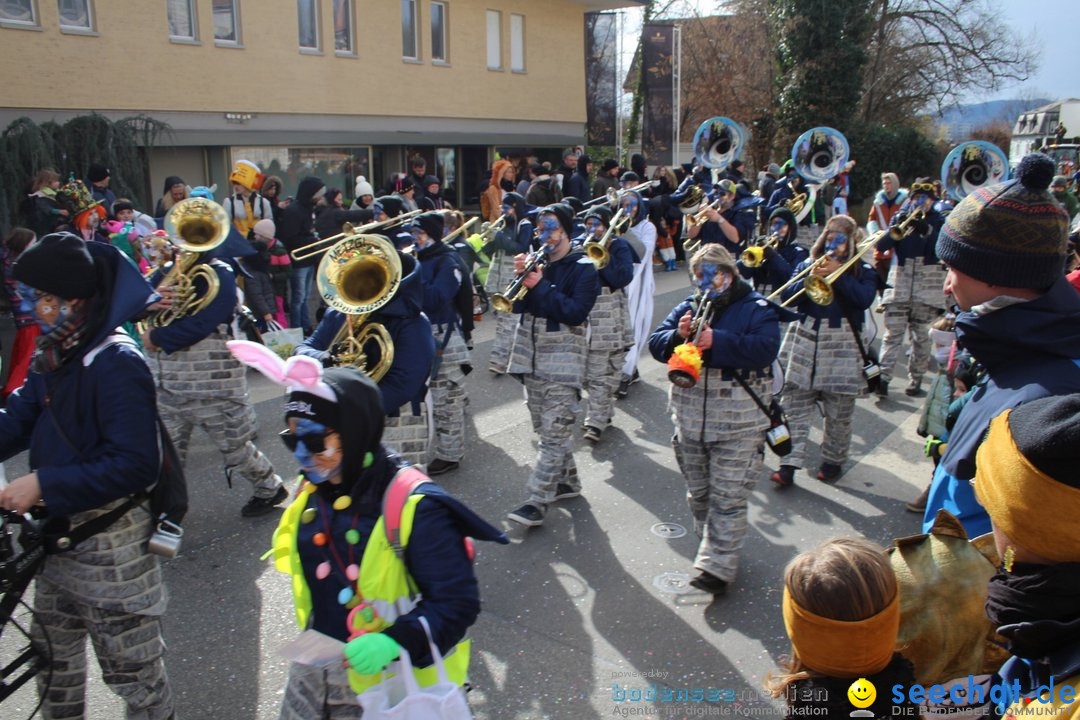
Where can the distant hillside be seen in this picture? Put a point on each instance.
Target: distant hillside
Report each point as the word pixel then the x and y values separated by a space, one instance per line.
pixel 978 114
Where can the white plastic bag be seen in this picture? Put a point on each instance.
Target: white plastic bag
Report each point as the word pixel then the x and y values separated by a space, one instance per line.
pixel 401 698
pixel 282 341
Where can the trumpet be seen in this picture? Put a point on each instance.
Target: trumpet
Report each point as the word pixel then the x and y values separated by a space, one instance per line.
pixel 516 290
pixel 319 246
pixel 685 363
pixel 754 256
pixel 597 250
pixel 489 230
pixel 819 289
pixel 903 229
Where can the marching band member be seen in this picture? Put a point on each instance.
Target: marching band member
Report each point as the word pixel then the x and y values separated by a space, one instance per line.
pixel 245 206
pixel 404 386
pixel 914 297
pixel 719 226
pixel 820 357
pixel 201 384
pixel 441 277
pixel 781 257
pixel 610 333
pixel 639 293
pixel 549 353
pixel 514 238
pixel 719 428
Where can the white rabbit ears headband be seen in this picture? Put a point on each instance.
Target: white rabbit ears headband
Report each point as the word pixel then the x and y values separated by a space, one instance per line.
pixel 297 374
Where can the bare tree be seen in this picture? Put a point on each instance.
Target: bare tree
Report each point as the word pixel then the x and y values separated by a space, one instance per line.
pixel 927 54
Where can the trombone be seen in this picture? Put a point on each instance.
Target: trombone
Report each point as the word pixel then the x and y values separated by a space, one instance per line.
pixel 489 229
pixel 754 256
pixel 819 289
pixel 902 230
pixel 597 250
pixel 319 246
pixel 504 302
pixel 613 196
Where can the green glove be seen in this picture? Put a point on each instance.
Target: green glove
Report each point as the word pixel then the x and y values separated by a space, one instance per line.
pixel 934 448
pixel 371 652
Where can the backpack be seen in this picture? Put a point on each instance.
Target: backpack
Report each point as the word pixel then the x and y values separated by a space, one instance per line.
pixel 463 300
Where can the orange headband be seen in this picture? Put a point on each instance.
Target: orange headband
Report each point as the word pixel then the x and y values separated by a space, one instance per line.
pixel 842 648
pixel 1034 510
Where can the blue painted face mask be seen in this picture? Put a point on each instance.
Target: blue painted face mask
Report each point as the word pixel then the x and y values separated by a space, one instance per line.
pixel 304 457
pixel 713 282
pixel 48 315
pixel 779 227
pixel 630 203
pixel 418 234
pixel 837 246
pixel 549 224
pixel 592 226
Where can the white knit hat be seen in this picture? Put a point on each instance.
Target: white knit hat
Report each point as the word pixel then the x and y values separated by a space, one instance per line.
pixel 265 228
pixel 363 187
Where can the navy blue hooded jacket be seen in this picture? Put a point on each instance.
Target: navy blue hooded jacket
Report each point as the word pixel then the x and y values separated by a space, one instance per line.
pixel 104 401
pixel 619 271
pixel 441 279
pixel 746 333
pixel 779 261
pixel 919 243
pixel 1030 350
pixel 435 555
pixel 410 330
pixel 566 293
pixel 515 237
pixel 853 293
pixel 297 226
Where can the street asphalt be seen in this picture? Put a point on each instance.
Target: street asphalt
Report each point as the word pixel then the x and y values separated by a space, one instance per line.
pixel 581 615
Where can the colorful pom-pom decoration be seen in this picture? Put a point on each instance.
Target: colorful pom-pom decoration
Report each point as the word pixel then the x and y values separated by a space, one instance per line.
pixel 684 365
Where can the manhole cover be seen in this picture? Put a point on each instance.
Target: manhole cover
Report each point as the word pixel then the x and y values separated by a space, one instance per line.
pixel 673 583
pixel 668 530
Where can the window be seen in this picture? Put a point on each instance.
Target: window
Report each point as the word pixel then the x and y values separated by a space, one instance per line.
pixel 409 43
pixel 182 25
pixel 494 40
pixel 343 27
pixel 308 19
pixel 18 13
pixel 225 23
pixel 76 15
pixel 438 32
pixel 517 43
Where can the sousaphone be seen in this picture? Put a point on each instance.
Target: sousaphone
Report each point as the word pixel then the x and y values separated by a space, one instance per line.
pixel 971 165
pixel 819 155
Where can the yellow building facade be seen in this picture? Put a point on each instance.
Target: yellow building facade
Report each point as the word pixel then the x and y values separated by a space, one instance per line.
pixel 338 87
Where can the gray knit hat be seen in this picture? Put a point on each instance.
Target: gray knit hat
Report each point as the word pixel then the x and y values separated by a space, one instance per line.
pixel 1012 234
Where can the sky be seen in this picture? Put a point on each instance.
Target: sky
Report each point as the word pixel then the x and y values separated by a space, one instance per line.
pixel 1051 24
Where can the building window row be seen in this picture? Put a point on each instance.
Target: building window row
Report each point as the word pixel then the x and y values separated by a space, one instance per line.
pixel 78 16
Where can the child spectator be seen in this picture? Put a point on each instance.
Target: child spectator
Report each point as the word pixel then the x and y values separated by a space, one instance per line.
pixel 27 331
pixel 280 267
pixel 42 210
pixel 842 614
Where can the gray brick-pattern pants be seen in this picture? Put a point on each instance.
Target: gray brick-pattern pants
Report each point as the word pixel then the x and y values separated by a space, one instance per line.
pixel 912 319
pixel 129 648
pixel 839 408
pixel 448 395
pixel 718 483
pixel 228 423
pixel 609 336
pixel 408 435
pixel 319 693
pixel 499 276
pixel 552 408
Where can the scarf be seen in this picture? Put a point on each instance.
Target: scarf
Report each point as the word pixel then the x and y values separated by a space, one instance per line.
pixel 58 347
pixel 1041 602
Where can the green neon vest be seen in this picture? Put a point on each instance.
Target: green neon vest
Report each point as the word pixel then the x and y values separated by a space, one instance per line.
pixel 384 582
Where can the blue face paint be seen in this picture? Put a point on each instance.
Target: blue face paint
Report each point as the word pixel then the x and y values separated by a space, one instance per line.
pixel 837 246
pixel 592 225
pixel 549 224
pixel 630 203
pixel 777 227
pixel 48 314
pixel 713 282
pixel 305 458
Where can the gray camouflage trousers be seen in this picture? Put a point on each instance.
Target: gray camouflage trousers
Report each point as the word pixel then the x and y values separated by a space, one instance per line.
pixel 839 408
pixel 129 649
pixel 505 324
pixel 228 423
pixel 907 318
pixel 315 693
pixel 552 408
pixel 719 479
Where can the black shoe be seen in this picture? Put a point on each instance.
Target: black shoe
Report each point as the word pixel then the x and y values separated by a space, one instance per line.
pixel 709 583
pixel 565 491
pixel 528 515
pixel 635 378
pixel 914 388
pixel 828 472
pixel 257 506
pixel 592 434
pixel 438 466
pixel 882 388
pixel 784 477
pixel 624 388
pixel 918 505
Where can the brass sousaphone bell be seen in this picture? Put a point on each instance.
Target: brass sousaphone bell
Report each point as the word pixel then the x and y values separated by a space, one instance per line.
pixel 819 154
pixel 356 277
pixel 195 226
pixel 971 165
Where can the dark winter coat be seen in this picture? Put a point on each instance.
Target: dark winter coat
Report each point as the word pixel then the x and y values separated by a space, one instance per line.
pixel 258 286
pixel 619 271
pixel 441 279
pixel 186 331
pixel 103 400
pixel 578 185
pixel 297 226
pixel 565 294
pixel 854 292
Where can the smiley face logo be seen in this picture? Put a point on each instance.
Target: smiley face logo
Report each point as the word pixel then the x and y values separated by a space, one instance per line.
pixel 862 693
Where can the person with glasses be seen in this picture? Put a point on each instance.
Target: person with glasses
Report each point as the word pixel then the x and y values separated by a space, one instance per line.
pixel 914 296
pixel 335 542
pixel 610 332
pixel 550 353
pixel 819 355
